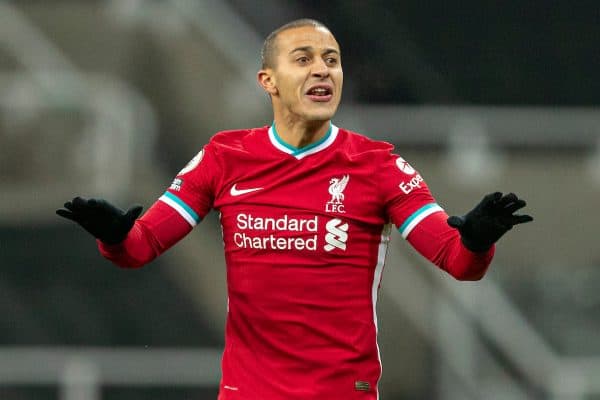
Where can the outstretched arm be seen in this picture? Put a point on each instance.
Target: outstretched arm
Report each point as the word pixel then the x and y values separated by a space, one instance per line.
pixel 128 242
pixel 467 251
pixel 441 244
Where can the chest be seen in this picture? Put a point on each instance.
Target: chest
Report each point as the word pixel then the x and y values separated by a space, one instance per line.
pixel 331 187
pixel 331 207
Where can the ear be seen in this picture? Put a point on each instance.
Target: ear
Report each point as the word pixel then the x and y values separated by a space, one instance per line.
pixel 267 81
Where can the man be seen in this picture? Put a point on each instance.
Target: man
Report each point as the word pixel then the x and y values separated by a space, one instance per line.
pixel 306 210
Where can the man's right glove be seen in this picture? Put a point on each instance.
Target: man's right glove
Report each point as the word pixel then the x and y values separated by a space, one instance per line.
pixel 100 218
pixel 481 227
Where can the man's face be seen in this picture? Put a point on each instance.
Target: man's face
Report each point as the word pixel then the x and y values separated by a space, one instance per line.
pixel 307 74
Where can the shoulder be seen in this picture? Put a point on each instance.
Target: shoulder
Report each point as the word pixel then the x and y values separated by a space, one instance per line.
pixel 381 156
pixel 359 145
pixel 235 138
pixel 224 144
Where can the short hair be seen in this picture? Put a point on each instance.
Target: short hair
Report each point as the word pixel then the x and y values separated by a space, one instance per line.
pixel 267 53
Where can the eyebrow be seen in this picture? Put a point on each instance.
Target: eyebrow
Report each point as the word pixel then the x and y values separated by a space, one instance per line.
pixel 310 48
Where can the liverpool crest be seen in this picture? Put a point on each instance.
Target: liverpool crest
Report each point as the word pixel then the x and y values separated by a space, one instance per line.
pixel 336 190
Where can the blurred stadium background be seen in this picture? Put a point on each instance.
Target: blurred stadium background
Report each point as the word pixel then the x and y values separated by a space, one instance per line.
pixel 112 98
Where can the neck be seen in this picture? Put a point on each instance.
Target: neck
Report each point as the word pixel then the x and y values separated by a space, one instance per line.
pixel 300 134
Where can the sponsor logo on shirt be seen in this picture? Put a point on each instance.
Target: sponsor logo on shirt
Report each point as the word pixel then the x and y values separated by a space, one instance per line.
pixel 288 233
pixel 337 234
pixel 336 190
pixel 234 191
pixel 251 232
pixel 409 186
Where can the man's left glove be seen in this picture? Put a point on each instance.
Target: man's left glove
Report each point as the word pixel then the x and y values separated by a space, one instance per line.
pixel 104 221
pixel 481 227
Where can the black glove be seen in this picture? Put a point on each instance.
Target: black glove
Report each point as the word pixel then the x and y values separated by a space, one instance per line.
pixel 481 227
pixel 100 218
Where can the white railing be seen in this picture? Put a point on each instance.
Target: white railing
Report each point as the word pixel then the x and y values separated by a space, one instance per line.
pixel 80 373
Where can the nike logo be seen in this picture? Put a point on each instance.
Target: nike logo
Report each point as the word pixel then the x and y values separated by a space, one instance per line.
pixel 238 192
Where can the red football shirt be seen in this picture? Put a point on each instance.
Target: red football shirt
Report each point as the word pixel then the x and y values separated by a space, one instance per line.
pixel 305 234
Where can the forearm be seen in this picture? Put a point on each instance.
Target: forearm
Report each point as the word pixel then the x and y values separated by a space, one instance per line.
pixel 441 244
pixel 138 249
pixel 155 232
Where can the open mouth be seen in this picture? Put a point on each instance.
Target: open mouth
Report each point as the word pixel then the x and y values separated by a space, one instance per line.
pixel 320 93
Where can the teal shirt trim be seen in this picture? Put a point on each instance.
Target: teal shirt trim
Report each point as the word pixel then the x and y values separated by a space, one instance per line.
pixel 416 215
pixel 181 203
pixel 299 150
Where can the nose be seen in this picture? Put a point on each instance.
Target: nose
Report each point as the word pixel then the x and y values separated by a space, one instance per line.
pixel 320 69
